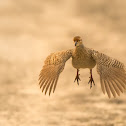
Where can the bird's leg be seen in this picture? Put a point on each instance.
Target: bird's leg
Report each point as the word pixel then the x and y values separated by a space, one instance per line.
pixel 77 77
pixel 91 79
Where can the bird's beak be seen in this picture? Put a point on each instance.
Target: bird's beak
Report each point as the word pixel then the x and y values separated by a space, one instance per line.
pixel 75 43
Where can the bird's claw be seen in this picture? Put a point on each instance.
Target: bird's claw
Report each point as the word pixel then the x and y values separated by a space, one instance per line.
pixel 77 78
pixel 91 81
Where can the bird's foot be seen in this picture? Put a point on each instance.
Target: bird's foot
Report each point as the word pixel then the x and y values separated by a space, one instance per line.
pixel 77 78
pixel 91 81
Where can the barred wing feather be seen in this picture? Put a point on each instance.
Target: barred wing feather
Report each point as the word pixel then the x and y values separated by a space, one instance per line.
pixel 54 65
pixel 112 74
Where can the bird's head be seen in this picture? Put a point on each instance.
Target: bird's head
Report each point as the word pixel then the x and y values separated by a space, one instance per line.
pixel 78 41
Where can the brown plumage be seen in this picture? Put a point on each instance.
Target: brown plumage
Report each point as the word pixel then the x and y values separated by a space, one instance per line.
pixel 112 72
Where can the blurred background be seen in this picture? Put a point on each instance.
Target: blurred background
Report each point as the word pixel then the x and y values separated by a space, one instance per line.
pixel 32 29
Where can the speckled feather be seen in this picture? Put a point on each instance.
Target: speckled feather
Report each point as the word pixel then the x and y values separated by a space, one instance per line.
pixel 54 65
pixel 112 74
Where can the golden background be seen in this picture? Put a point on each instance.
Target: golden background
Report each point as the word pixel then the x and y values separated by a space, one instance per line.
pixel 29 31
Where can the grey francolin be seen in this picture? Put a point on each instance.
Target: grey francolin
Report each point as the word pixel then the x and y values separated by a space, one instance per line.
pixel 112 72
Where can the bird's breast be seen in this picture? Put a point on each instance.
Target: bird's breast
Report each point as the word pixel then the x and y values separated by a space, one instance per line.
pixel 83 61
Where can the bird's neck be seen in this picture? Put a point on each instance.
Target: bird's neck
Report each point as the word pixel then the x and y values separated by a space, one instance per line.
pixel 79 48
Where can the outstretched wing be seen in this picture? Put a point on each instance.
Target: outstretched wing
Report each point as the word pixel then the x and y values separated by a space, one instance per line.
pixel 112 74
pixel 54 65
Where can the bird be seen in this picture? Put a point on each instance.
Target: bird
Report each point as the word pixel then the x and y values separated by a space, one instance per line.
pixel 111 71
